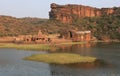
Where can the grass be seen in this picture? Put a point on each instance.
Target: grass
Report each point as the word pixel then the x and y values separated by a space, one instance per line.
pixel 42 47
pixel 60 58
pixel 27 46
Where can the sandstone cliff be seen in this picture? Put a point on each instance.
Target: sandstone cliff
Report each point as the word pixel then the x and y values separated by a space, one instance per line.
pixel 67 13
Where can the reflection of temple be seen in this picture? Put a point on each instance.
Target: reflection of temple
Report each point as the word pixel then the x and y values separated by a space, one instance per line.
pixel 74 47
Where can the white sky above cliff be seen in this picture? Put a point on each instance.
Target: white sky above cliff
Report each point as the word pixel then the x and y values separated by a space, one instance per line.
pixel 40 8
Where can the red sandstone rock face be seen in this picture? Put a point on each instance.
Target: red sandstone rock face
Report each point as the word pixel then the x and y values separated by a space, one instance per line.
pixel 66 13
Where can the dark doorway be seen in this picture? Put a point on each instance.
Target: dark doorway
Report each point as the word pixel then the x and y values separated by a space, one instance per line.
pixel 70 34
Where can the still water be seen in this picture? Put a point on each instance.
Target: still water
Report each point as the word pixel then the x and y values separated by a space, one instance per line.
pixel 12 63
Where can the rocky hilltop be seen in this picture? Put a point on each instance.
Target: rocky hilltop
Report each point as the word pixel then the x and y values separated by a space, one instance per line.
pixel 103 23
pixel 67 13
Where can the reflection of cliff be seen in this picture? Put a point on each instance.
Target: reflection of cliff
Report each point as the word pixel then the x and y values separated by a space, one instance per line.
pixel 66 13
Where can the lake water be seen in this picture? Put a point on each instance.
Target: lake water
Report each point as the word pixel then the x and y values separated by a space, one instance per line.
pixel 12 63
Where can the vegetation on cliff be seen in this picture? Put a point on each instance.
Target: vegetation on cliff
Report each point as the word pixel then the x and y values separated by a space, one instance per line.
pixel 105 27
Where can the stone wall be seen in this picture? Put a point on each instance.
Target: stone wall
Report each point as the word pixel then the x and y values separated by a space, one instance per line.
pixel 76 36
pixel 66 13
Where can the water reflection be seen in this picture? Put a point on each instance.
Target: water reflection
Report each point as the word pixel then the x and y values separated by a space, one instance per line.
pixel 84 49
pixel 11 63
pixel 81 69
pixel 97 64
pixel 89 65
pixel 109 52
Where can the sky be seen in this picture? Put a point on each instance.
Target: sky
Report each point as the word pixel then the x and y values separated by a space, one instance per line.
pixel 41 8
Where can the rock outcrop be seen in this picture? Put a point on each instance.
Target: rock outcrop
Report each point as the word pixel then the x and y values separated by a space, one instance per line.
pixel 67 13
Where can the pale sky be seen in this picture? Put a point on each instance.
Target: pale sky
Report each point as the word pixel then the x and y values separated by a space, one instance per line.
pixel 40 8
